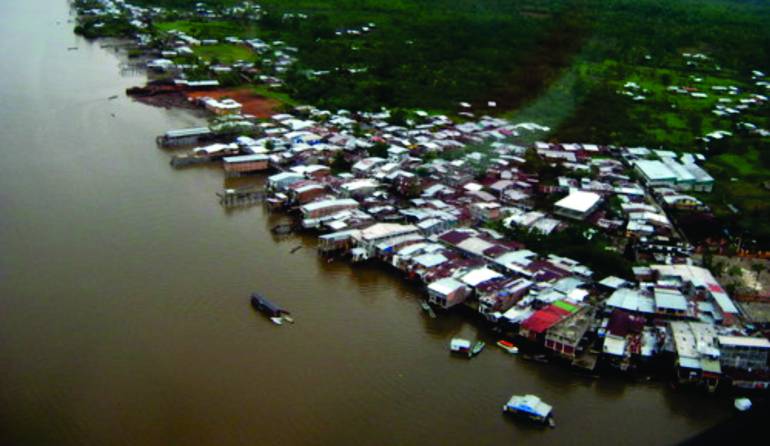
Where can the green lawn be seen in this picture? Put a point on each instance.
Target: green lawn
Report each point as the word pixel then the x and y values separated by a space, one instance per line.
pixel 210 30
pixel 225 53
pixel 270 93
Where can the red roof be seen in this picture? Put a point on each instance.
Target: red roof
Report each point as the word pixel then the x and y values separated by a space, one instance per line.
pixel 454 237
pixel 715 288
pixel 544 319
pixel 541 321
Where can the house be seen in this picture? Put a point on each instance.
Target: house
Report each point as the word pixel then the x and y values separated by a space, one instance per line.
pixel 655 173
pixel 623 337
pixel 245 163
pixel 565 336
pixel 501 300
pixel 670 302
pixel 369 239
pixel 282 181
pixel 223 107
pixel 697 354
pixel 306 191
pixel 318 209
pixel 447 292
pixel 540 321
pixel 578 204
pixel 476 277
pixel 744 352
pixel 486 211
pixel 631 300
pixel 366 165
pixel 359 188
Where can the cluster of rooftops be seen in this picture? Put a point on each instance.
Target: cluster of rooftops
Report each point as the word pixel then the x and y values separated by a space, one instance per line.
pixel 422 195
pixel 426 214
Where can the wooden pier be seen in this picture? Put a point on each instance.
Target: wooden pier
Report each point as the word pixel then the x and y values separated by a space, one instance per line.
pixel 185 160
pixel 182 137
pixel 247 196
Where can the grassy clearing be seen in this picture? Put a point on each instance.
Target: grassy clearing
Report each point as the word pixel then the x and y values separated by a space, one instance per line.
pixel 225 53
pixel 270 93
pixel 743 165
pixel 210 30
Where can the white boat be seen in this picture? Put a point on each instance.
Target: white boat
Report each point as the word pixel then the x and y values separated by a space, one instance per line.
pixel 277 320
pixel 742 404
pixel 460 345
pixel 507 346
pixel 531 407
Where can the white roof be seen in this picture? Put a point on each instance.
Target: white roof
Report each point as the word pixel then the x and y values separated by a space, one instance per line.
pixel 458 343
pixel 694 339
pixel 531 404
pixel 521 257
pixel 445 286
pixel 744 341
pixel 245 158
pixel 699 277
pixel 614 345
pixel 579 201
pixel 517 314
pixel 613 282
pixel 475 245
pixel 329 203
pixel 655 170
pixel 670 299
pixel 284 176
pixel 430 260
pixel 479 276
pixel 631 300
pixel 381 230
pixel 364 183
pixel 214 148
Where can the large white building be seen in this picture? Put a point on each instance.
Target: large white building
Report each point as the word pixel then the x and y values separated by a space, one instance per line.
pixel 578 204
pixel 672 173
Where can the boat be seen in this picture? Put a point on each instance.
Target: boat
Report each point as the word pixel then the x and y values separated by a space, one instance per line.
pixel 742 404
pixel 507 346
pixel 271 310
pixel 530 407
pixel 537 358
pixel 460 345
pixel 427 308
pixel 477 348
pixel 288 318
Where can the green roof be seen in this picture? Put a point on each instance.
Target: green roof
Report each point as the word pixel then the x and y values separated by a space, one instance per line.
pixel 565 306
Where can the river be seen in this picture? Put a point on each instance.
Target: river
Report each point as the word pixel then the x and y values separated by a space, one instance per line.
pixel 124 315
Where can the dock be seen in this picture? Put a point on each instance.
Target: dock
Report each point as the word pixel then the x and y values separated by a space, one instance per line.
pixel 242 197
pixel 183 137
pixel 179 161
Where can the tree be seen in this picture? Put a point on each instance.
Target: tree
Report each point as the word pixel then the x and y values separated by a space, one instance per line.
pixel 758 268
pixel 339 163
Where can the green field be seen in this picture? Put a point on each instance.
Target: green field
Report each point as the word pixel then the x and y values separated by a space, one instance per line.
pixel 225 53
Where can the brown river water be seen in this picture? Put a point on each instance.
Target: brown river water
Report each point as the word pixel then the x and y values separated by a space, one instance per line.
pixel 124 314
